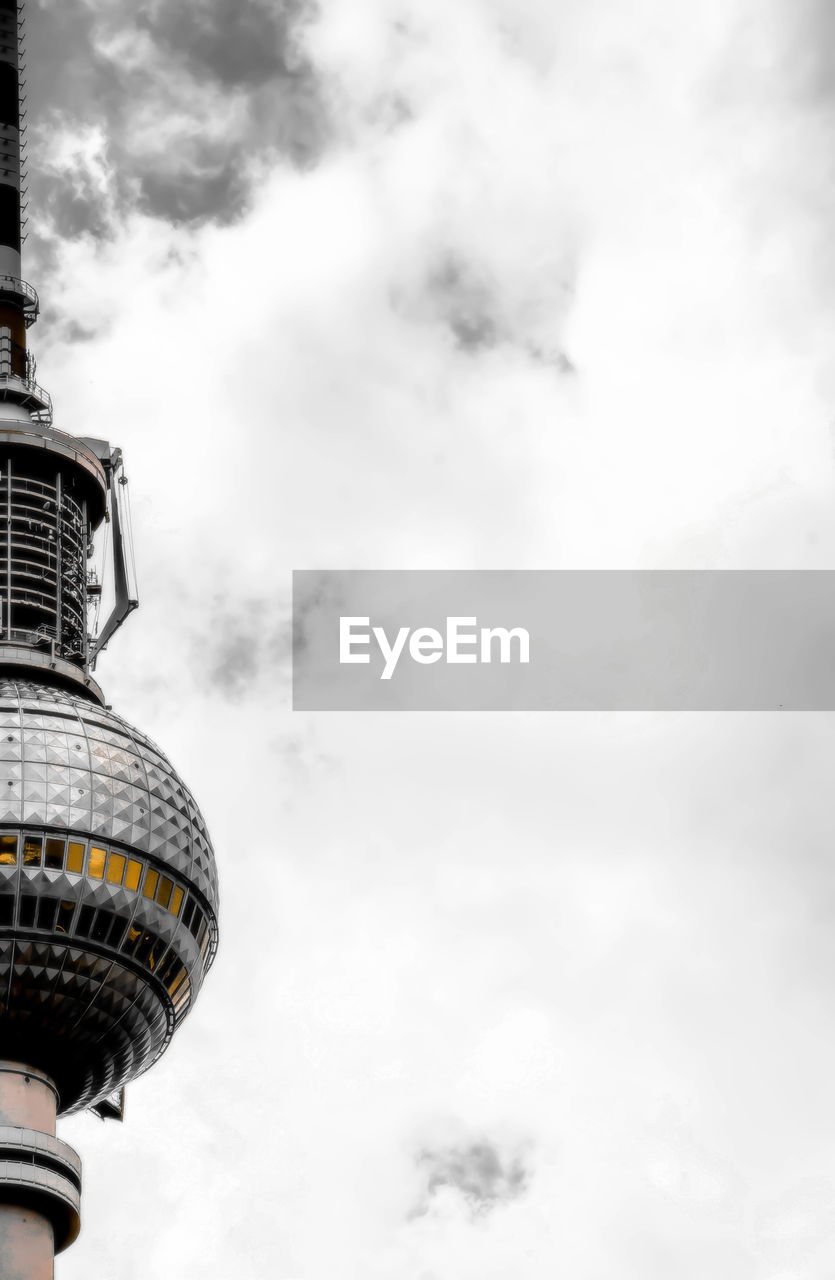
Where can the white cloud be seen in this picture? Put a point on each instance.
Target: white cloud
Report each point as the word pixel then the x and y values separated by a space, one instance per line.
pixel 605 940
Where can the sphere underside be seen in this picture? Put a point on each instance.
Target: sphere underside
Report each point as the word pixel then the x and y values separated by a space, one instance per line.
pixel 108 893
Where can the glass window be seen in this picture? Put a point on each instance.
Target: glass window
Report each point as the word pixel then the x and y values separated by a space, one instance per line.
pixel 114 938
pixel 75 858
pixel 104 920
pixel 95 868
pixel 196 923
pixel 188 914
pixel 177 981
pixel 47 908
pixel 116 868
pixel 133 874
pixel 131 940
pixel 65 913
pixel 155 954
pixel 164 895
pixel 144 949
pixel 151 881
pixel 6 908
pixel 54 858
pixel 32 851
pixel 8 851
pixel 28 903
pixel 85 920
pixel 177 901
pixel 182 997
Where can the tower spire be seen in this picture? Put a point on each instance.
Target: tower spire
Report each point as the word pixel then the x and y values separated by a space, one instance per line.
pixel 55 490
pixel 18 300
pixel 11 110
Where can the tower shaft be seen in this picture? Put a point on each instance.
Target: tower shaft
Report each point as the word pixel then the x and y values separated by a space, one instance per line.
pixel 26 1248
pixel 40 1178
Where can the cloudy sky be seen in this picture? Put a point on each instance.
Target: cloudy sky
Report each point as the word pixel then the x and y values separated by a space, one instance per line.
pixel 498 284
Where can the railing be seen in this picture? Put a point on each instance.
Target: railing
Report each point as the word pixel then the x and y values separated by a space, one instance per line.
pixel 20 289
pixel 24 635
pixel 42 565
pixel 15 374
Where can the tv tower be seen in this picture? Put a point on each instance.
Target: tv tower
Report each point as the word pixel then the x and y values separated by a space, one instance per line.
pixel 108 888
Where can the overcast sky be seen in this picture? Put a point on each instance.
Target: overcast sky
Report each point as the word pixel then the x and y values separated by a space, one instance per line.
pixel 483 284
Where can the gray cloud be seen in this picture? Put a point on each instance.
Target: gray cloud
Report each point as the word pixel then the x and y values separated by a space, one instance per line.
pixel 187 102
pixel 483 1176
pixel 461 294
pixel 467 303
pixel 237 44
pixel 241 643
pixel 809 61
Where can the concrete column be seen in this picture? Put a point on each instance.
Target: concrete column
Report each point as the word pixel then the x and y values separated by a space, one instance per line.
pixel 28 1101
pixel 28 1098
pixel 27 1249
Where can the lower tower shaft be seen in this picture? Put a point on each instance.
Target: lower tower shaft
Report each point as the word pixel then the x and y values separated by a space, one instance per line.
pixel 40 1177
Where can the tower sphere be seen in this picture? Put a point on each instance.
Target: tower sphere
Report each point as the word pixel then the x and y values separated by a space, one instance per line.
pixel 108 893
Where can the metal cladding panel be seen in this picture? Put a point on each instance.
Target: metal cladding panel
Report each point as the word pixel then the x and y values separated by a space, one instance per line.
pixel 10 216
pixel 9 94
pixel 58 751
pixel 108 893
pixel 93 1023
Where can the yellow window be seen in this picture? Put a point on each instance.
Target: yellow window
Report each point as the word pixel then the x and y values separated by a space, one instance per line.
pixel 32 849
pixel 95 867
pixel 164 895
pixel 115 868
pixel 151 881
pixel 133 934
pixel 75 858
pixel 176 901
pixel 133 875
pixel 8 851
